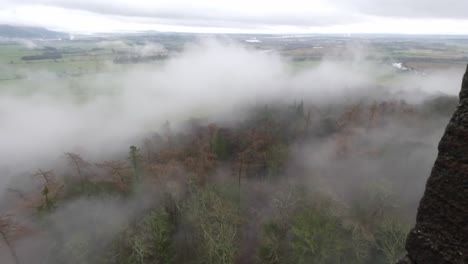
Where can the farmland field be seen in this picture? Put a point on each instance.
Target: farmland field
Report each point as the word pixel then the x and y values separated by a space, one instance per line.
pixel 89 55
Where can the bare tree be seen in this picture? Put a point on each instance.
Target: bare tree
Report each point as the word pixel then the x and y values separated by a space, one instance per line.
pixel 116 169
pixel 47 176
pixel 8 229
pixel 51 187
pixel 79 164
pixel 135 158
pixel 391 240
pixel 148 146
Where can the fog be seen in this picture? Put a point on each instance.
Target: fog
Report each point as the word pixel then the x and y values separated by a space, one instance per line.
pixel 108 112
pixel 100 116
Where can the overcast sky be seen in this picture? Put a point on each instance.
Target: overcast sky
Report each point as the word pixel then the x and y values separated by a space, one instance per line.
pixel 236 16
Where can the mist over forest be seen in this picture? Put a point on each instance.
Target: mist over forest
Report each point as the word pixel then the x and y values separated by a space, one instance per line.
pixel 217 152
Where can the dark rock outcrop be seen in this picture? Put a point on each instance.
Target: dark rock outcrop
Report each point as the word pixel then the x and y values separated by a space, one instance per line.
pixel 441 232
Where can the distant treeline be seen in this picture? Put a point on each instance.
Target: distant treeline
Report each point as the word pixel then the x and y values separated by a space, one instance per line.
pixel 44 56
pixel 137 59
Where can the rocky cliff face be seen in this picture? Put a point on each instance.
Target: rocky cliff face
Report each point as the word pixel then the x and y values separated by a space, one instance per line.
pixel 441 232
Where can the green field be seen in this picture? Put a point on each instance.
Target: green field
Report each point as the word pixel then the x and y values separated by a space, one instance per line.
pixel 91 56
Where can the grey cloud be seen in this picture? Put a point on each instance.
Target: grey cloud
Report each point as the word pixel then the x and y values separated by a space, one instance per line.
pixel 450 9
pixel 197 15
pixel 248 15
pixel 347 11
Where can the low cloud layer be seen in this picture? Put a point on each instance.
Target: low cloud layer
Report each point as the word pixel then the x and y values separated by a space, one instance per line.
pixel 44 117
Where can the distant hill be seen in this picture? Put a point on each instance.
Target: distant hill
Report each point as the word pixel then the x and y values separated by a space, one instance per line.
pixel 7 31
